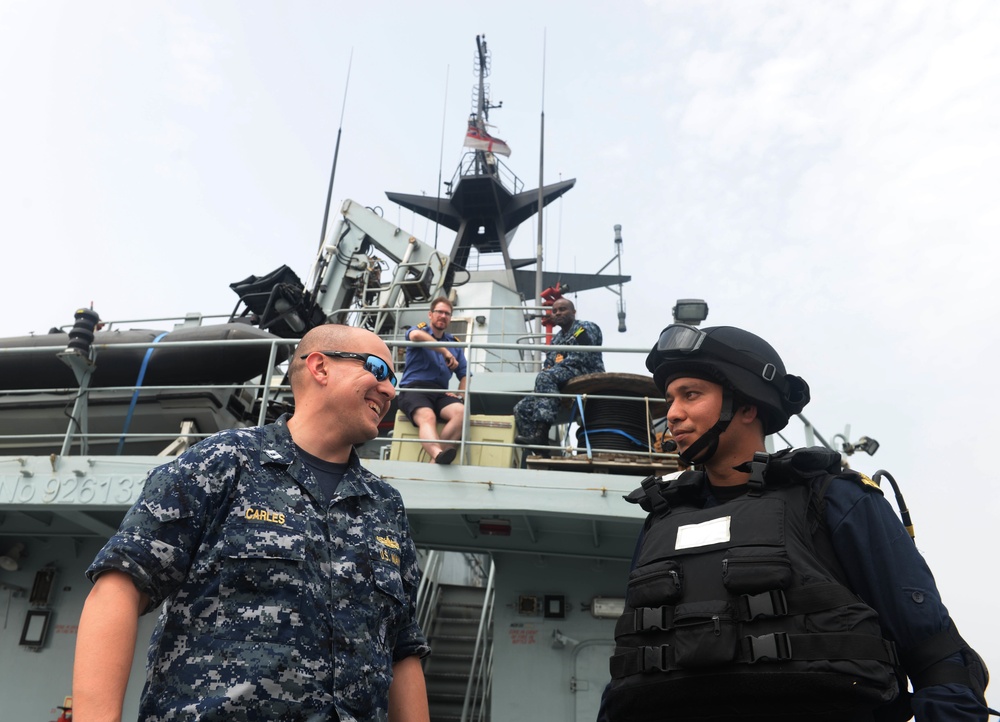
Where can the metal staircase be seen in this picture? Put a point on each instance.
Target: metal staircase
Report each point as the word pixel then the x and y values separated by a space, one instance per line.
pixel 457 620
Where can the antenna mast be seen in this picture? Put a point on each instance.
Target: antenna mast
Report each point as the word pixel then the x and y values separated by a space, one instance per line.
pixel 336 152
pixel 541 200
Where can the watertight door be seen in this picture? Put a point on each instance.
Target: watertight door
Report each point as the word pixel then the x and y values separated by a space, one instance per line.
pixel 590 676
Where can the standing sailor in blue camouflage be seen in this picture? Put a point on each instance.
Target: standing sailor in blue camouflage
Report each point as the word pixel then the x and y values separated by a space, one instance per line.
pixel 285 570
pixel 535 414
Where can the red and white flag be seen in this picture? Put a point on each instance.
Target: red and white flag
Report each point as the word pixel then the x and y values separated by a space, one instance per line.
pixel 481 140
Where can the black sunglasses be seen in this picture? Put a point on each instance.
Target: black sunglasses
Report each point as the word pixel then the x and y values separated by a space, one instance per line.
pixel 377 366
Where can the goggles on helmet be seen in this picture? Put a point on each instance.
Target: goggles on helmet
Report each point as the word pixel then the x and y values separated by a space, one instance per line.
pixel 678 340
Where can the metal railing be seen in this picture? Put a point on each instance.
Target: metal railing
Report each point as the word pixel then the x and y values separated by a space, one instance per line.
pixel 429 590
pixel 257 396
pixel 481 336
pixel 238 404
pixel 479 687
pixel 471 165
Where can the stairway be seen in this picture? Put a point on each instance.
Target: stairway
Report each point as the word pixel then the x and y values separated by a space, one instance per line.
pixel 452 636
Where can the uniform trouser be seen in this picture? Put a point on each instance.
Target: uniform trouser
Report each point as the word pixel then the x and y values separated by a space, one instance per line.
pixel 535 413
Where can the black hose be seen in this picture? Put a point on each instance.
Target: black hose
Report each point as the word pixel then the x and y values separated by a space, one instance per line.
pixel 904 513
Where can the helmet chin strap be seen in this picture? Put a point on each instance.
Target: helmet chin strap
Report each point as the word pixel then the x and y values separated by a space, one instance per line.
pixel 705 446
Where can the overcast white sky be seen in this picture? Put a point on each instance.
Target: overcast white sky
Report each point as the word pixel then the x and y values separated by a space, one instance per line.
pixel 822 173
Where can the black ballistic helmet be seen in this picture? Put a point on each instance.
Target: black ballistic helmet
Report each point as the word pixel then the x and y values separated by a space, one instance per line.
pixel 736 359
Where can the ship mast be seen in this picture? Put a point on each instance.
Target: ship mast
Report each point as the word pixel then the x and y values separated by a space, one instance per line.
pixel 480 117
pixel 487 201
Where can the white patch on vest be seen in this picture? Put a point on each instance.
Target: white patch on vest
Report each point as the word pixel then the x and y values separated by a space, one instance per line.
pixel 715 531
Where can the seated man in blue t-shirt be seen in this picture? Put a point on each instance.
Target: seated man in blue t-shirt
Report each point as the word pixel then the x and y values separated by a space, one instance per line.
pixel 430 368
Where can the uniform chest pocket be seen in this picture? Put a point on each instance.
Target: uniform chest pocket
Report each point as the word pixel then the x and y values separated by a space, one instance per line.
pixel 390 605
pixel 263 584
pixel 655 584
pixel 750 570
pixel 386 559
pixel 705 634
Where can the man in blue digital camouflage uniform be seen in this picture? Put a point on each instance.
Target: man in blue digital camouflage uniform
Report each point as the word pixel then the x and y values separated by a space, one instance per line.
pixel 426 377
pixel 285 570
pixel 536 414
pixel 773 587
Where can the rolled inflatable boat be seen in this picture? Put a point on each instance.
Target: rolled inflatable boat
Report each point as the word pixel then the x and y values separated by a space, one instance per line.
pixel 169 365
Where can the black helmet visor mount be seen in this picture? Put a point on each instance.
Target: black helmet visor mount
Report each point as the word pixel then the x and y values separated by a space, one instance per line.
pixel 679 340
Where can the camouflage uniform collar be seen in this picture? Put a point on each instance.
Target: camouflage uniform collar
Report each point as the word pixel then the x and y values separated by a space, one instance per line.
pixel 357 479
pixel 277 447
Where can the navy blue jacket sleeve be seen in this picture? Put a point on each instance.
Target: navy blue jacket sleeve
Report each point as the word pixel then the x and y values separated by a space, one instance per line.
pixel 887 571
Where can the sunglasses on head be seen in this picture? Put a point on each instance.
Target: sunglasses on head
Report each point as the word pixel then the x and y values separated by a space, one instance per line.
pixel 377 366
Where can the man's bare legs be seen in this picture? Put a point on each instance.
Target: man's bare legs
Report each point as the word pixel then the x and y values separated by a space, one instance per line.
pixel 427 421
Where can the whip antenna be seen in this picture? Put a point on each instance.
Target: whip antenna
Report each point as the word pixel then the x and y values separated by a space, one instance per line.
pixel 541 199
pixel 336 152
pixel 444 115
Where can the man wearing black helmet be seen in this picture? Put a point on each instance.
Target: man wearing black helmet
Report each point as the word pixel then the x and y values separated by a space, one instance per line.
pixel 774 586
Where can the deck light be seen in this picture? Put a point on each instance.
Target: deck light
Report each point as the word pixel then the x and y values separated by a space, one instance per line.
pixel 691 311
pixel 866 444
pixel 10 561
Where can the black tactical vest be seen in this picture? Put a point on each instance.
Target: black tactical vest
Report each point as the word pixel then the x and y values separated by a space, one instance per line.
pixel 738 611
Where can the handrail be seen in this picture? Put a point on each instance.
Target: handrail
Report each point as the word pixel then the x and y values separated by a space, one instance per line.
pixel 262 389
pixel 266 388
pixel 266 391
pixel 428 590
pixel 483 641
pixel 464 440
pixel 462 313
pixel 484 677
pixel 469 167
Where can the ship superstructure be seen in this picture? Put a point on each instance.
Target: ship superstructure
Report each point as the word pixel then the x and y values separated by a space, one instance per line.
pixel 525 555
